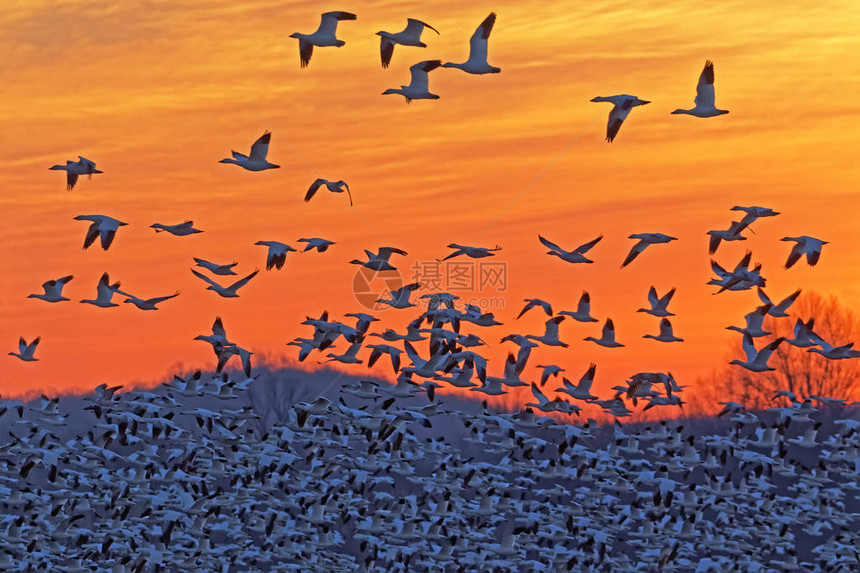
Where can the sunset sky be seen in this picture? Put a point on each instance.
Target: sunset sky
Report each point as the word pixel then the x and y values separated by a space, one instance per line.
pixel 156 92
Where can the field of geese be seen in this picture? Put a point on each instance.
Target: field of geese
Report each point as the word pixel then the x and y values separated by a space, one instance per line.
pixel 480 451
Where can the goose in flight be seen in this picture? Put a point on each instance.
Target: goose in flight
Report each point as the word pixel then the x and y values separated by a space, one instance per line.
pixel 575 256
pixel 581 391
pixel 419 86
pixel 754 322
pixel 321 245
pixel 226 292
pixel 53 290
pixel 104 293
pixel 803 334
pixel 180 229
pixel 607 339
pixel 827 350
pixel 146 303
pixel 778 310
pixel 733 233
pixel 666 333
pixel 705 99
pixel 323 37
pixel 548 370
pixel 400 297
pixel 26 351
pixel 622 105
pixel 533 302
pixel 333 186
pixel 754 212
pixel 410 36
pixel 277 254
pixel 477 62
pixel 740 278
pixel 583 310
pixel 101 226
pixel 73 169
pixel 645 239
pixel 256 160
pixel 379 261
pixel 472 252
pixel 809 246
pixel 215 268
pixel 550 336
pixel 756 360
pixel 658 305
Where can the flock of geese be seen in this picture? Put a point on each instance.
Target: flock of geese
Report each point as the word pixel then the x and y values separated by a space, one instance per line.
pixel 367 481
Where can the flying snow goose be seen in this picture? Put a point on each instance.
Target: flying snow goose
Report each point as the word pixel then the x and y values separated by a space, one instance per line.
pixel 803 334
pixel 104 293
pixel 228 291
pixel 705 98
pixel 544 404
pixel 582 390
pixel 419 84
pixel 180 229
pixel 532 303
pixel 550 336
pixel 73 169
pixel 666 333
pixel 26 351
pixel 756 360
pixel 379 261
pixel 333 186
pixel 548 370
pixel 754 212
pixel 658 304
pixel 827 350
pixel 583 309
pixel 323 37
pixel 733 233
pixel 754 321
pixel 400 297
pixel 215 268
pixel 575 256
pixel 645 239
pixel 101 226
pixel 380 349
pixel 622 105
pixel 809 246
pixel 477 62
pixel 321 245
pixel 276 255
pixel 607 338
pixel 53 290
pixel 410 36
pixel 256 160
pixel 146 303
pixel 778 310
pixel 472 252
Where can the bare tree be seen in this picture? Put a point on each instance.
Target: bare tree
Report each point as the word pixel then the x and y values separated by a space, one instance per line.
pixel 796 369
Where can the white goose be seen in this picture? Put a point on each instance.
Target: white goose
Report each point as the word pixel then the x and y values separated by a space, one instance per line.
pixel 733 233
pixel 645 239
pixel 73 169
pixel 583 310
pixel 607 338
pixel 581 391
pixel 666 333
pixel 471 252
pixel 705 98
pixel 477 62
pixel 622 105
pixel 804 245
pixel 333 186
pixel 180 229
pixel 101 226
pixel 323 37
pixel 803 334
pixel 575 256
pixel 277 253
pixel 228 291
pixel 104 293
pixel 753 212
pixel 256 160
pixel 778 310
pixel 146 303
pixel 400 297
pixel 215 268
pixel 756 360
pixel 754 322
pixel 379 261
pixel 26 351
pixel 419 84
pixel 321 245
pixel 827 350
pixel 658 305
pixel 550 336
pixel 53 290
pixel 534 302
pixel 410 36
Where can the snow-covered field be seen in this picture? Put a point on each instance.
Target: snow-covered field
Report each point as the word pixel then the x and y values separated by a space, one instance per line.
pixel 215 475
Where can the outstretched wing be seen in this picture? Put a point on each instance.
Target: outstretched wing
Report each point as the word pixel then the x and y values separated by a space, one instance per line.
pixel 705 89
pixel 92 235
pixel 550 245
pixel 312 190
pixel 415 27
pixel 328 23
pixel 386 50
pixel 585 247
pixel 260 148
pixel 478 41
pixel 306 50
pixel 205 278
pixel 242 282
pixel 71 179
pixel 419 73
pixel 634 252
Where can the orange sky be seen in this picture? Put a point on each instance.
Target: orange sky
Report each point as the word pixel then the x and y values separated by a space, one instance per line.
pixel 157 92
